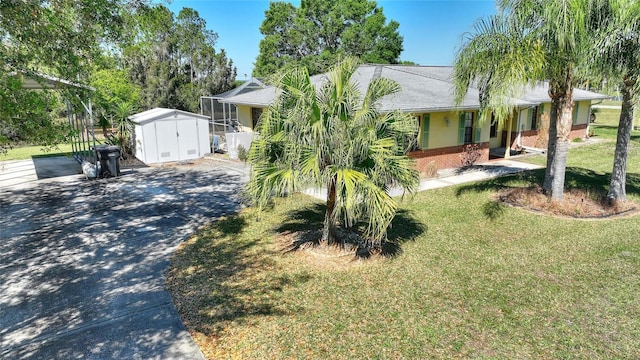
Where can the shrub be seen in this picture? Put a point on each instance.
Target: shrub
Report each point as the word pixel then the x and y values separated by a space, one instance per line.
pixel 429 170
pixel 470 154
pixel 242 153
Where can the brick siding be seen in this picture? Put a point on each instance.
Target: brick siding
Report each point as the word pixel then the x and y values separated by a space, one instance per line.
pixel 445 158
pixel 530 137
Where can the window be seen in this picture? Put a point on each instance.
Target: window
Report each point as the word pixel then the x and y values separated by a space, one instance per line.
pixel 465 128
pixel 255 116
pixel 494 126
pixel 534 118
pixel 468 128
pixel 575 112
pixel 416 144
pixel 424 131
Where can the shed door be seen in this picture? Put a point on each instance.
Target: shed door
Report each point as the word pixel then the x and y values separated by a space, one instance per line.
pixel 167 140
pixel 187 131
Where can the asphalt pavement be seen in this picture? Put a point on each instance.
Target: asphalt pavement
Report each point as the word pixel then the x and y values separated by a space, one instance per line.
pixel 83 262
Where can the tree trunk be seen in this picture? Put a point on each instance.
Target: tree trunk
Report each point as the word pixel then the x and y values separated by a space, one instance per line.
pixel 560 122
pixel 507 151
pixel 329 234
pixel 559 169
pixel 551 145
pixel 617 186
pixel 563 127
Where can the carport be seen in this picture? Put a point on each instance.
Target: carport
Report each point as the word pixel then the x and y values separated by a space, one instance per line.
pixel 79 110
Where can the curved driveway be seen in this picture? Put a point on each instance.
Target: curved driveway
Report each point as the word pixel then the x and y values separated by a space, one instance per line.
pixel 83 263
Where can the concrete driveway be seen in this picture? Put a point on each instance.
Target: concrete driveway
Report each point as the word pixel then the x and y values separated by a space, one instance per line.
pixel 83 263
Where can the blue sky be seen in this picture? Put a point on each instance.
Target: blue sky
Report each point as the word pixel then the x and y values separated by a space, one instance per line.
pixel 432 29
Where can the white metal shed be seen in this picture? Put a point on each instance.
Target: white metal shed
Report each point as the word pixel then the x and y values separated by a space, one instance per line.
pixel 165 135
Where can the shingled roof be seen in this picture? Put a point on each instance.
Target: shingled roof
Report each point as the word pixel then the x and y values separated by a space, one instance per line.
pixel 423 89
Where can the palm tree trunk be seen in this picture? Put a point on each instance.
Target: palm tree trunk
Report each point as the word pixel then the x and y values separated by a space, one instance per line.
pixel 617 185
pixel 551 145
pixel 507 150
pixel 559 165
pixel 559 169
pixel 329 234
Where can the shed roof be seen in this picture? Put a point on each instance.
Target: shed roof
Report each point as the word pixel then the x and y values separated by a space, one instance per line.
pixel 423 89
pixel 161 113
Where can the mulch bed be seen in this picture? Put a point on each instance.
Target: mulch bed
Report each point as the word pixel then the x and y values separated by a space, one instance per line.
pixel 576 203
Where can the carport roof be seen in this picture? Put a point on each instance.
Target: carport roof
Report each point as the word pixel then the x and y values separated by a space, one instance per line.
pixel 38 81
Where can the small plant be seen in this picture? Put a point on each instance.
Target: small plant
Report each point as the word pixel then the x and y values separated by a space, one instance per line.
pixel 470 154
pixel 428 171
pixel 577 140
pixel 242 153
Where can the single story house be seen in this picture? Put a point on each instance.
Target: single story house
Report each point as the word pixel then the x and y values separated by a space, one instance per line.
pixel 445 128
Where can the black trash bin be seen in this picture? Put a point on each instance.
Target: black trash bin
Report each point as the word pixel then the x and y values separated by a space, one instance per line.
pixel 109 159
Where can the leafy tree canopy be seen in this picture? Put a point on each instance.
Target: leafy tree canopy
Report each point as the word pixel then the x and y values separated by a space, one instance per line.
pixel 173 59
pixel 320 32
pixel 134 53
pixel 59 38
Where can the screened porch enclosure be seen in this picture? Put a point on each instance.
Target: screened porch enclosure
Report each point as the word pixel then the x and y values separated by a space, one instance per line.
pixel 223 118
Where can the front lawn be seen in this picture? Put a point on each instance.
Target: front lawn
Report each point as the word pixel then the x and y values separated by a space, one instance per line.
pixel 469 278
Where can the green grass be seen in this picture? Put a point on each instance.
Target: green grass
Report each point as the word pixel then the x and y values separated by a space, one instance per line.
pixel 26 152
pixel 470 278
pixel 610 103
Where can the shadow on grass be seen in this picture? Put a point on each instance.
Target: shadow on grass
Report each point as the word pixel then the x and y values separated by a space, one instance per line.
pixel 52 154
pixel 404 228
pixel 613 131
pixel 493 209
pixel 231 277
pixel 308 223
pixel 503 182
pixel 575 178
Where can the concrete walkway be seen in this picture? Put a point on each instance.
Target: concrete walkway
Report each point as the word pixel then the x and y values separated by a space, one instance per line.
pixel 612 107
pixel 83 263
pixel 450 177
pixel 478 172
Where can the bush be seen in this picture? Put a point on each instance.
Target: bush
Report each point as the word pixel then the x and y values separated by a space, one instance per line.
pixel 470 154
pixel 428 170
pixel 242 153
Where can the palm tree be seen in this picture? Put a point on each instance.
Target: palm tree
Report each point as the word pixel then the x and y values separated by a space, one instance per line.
pixel 123 126
pixel 487 61
pixel 556 35
pixel 334 137
pixel 618 56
